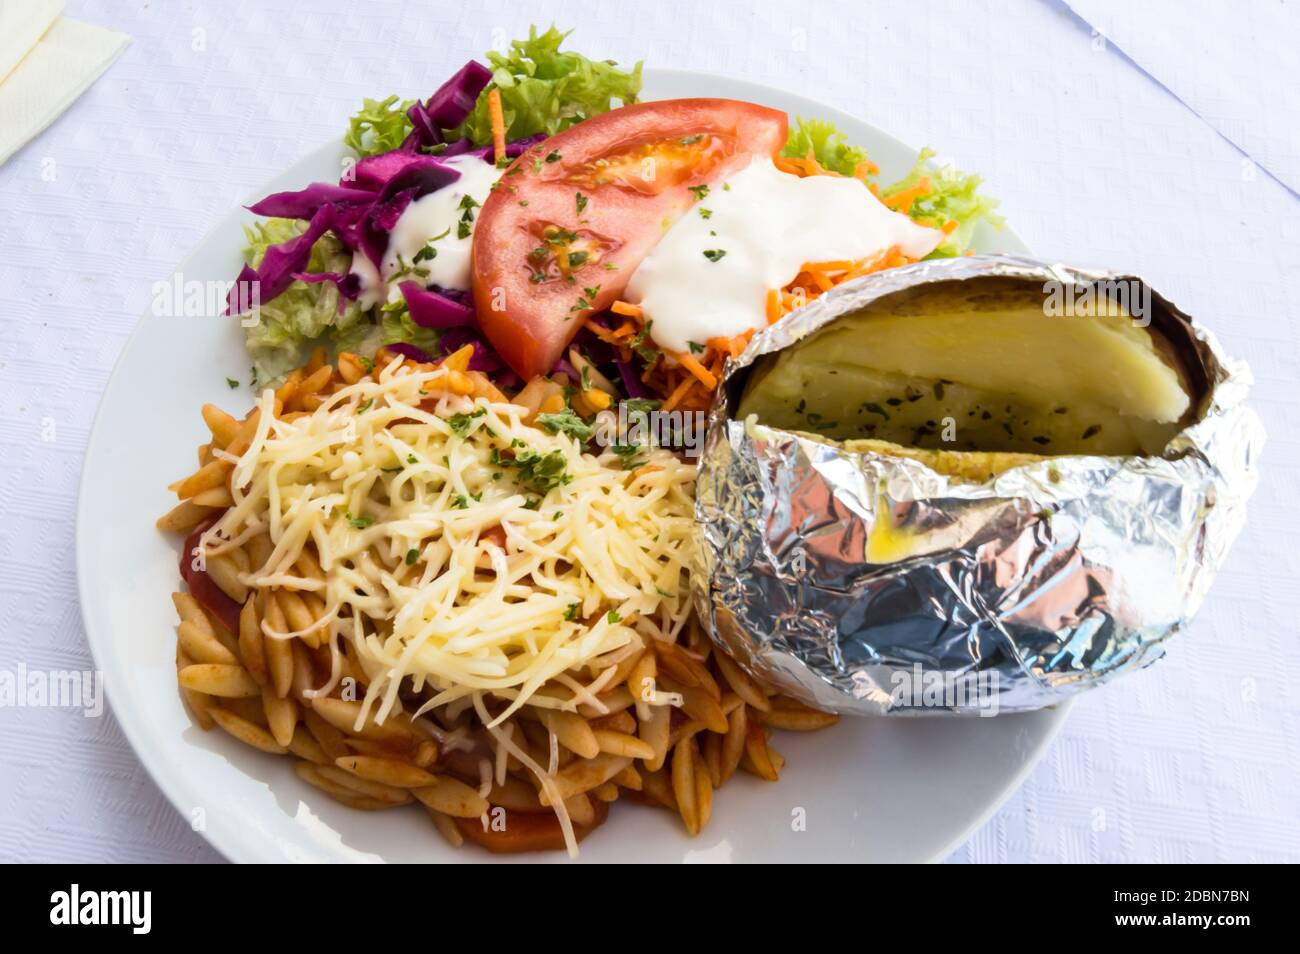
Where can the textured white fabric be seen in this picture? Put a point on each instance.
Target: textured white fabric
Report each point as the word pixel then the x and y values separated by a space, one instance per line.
pixel 1195 759
pixel 1222 60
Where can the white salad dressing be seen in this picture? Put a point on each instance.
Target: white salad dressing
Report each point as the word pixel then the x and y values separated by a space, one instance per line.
pixel 428 217
pixel 709 276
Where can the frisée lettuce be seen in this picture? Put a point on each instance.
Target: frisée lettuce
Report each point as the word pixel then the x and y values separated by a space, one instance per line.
pixel 546 90
pixel 952 196
pixel 827 144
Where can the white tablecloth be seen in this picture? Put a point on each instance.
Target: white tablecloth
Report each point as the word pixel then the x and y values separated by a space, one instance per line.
pixel 1095 156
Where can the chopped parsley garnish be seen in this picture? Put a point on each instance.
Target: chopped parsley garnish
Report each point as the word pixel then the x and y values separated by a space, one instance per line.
pixel 714 254
pixel 466 223
pixel 460 502
pixel 629 454
pixel 580 201
pixel 534 471
pixel 232 383
pixel 555 236
pixel 699 191
pixel 642 405
pixel 359 523
pixel 577 259
pixel 691 140
pixel 705 213
pixel 411 556
pixel 553 156
pixel 365 405
pixel 571 611
pixel 459 423
pixel 567 422
pixel 585 300
pixel 647 351
pixel 426 254
pixel 696 347
pixel 613 617
pixel 411 459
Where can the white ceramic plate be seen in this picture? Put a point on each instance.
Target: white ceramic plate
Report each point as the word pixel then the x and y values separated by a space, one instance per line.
pixel 869 789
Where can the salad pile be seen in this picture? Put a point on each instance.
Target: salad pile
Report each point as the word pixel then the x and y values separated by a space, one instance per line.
pixel 511 210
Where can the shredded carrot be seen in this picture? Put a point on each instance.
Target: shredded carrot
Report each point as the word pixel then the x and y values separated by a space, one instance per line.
pixel 773 306
pixel 604 334
pixel 727 346
pixel 498 119
pixel 865 169
pixel 949 227
pixel 902 201
pixel 700 371
pixel 843 265
pixel 626 308
pixel 785 164
pixel 822 280
pixel 678 394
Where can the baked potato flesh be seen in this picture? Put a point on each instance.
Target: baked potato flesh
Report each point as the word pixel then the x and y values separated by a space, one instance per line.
pixel 954 368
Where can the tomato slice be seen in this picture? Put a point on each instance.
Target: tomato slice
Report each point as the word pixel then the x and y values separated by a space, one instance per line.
pixel 573 217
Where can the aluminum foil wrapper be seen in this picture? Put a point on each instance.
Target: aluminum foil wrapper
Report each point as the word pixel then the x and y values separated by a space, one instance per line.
pixel 998 607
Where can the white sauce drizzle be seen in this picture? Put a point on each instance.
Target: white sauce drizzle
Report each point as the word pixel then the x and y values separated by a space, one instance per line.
pixel 766 224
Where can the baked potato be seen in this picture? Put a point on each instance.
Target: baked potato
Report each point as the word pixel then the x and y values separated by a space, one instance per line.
pixel 976 377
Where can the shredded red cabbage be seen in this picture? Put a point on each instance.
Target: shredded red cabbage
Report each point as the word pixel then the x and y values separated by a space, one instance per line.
pixel 448 106
pixel 430 309
pixel 305 203
pixel 631 380
pixel 410 351
pixel 349 285
pixel 280 263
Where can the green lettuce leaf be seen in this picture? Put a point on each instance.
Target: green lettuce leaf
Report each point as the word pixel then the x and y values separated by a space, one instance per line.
pixel 953 197
pixel 827 143
pixel 380 126
pixel 544 90
pixel 387 325
pixel 303 315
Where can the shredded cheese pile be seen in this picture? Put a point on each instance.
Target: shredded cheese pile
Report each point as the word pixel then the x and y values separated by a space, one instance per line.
pixel 462 547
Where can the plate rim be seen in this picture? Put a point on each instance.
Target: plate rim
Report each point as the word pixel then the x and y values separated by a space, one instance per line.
pixel 226 839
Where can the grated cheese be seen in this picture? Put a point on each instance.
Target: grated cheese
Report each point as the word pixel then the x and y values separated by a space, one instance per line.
pixel 407 494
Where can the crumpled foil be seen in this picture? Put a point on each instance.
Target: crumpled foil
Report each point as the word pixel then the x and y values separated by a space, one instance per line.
pixel 1018 593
